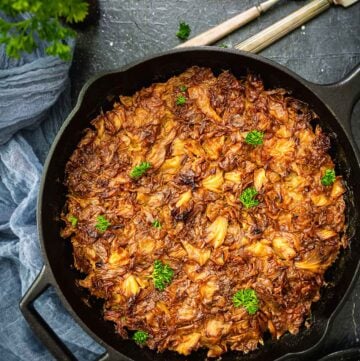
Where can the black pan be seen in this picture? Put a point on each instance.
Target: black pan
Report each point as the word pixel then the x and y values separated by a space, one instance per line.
pixel 333 103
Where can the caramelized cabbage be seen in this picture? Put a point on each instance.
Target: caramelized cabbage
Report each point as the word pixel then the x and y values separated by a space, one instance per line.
pixel 200 165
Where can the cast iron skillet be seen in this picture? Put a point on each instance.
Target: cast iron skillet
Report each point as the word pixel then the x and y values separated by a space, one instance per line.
pixel 333 103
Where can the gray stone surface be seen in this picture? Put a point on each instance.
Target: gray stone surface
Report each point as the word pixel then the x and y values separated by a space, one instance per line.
pixel 323 51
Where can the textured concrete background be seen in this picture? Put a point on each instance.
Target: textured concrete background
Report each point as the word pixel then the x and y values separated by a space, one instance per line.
pixel 323 52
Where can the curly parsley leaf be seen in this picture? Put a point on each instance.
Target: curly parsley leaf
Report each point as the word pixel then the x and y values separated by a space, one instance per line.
pixel 246 298
pixel 180 100
pixel 247 197
pixel 162 275
pixel 139 170
pixel 254 137
pixel 183 88
pixel 140 337
pixel 102 224
pixel 328 178
pixel 156 224
pixel 73 220
pixel 43 23
pixel 184 31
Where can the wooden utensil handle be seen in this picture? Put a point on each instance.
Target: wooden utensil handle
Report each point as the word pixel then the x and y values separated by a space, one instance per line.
pixel 276 31
pixel 225 28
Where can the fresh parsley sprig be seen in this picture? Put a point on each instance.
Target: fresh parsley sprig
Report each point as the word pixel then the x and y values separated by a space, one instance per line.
pixel 139 170
pixel 140 337
pixel 162 275
pixel 247 197
pixel 246 298
pixel 73 220
pixel 102 224
pixel 184 31
pixel 180 100
pixel 43 23
pixel 328 178
pixel 156 224
pixel 255 137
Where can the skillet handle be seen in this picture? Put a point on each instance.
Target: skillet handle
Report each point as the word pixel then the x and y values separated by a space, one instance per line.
pixel 42 330
pixel 341 97
pixel 38 324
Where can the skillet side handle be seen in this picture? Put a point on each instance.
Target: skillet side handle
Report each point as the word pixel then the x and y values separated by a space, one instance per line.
pixel 341 97
pixel 41 329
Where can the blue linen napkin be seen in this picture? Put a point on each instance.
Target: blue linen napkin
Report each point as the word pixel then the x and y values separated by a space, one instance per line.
pixel 34 101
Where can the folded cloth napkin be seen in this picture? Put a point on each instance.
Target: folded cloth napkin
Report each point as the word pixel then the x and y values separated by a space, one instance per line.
pixel 34 101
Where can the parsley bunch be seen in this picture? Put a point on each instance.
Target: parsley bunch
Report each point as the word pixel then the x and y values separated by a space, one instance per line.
pixel 162 275
pixel 42 23
pixel 246 298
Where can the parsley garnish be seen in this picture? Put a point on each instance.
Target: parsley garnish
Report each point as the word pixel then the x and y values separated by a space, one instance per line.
pixel 246 298
pixel 162 275
pixel 247 197
pixel 184 31
pixel 183 88
pixel 156 224
pixel 254 137
pixel 43 23
pixel 139 170
pixel 223 46
pixel 73 220
pixel 140 337
pixel 102 224
pixel 328 178
pixel 180 100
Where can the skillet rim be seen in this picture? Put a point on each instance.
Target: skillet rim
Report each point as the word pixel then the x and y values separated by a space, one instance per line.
pixel 48 271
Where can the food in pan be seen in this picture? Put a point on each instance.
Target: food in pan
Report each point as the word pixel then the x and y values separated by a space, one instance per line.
pixel 205 211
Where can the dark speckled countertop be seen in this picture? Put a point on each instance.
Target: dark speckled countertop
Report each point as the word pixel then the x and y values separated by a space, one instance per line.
pixel 323 51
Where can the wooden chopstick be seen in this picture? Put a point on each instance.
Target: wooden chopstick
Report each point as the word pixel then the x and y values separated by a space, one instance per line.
pixel 212 35
pixel 284 26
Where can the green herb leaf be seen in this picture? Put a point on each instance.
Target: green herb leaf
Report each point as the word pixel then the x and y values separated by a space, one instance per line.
pixel 20 5
pixel 139 170
pixel 73 220
pixel 140 337
pixel 156 224
pixel 223 46
pixel 246 298
pixel 43 23
pixel 102 224
pixel 184 31
pixel 162 275
pixel 183 88
pixel 254 137
pixel 180 100
pixel 247 197
pixel 328 178
pixel 76 12
pixel 60 49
